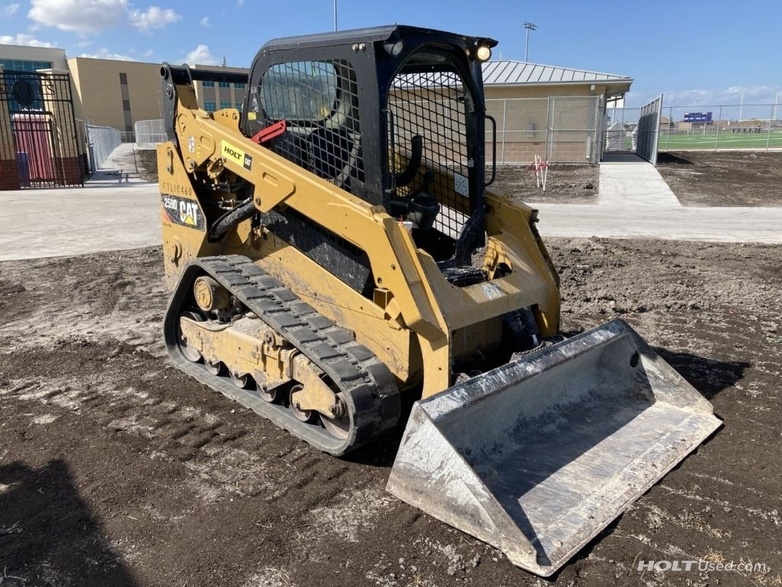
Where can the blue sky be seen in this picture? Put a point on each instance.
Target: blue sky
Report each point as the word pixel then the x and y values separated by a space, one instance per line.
pixel 695 52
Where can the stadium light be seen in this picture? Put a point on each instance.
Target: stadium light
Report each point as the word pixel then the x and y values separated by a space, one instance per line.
pixel 530 27
pixel 335 15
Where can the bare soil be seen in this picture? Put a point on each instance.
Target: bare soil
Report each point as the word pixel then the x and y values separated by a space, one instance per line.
pixel 146 164
pixel 565 184
pixel 723 178
pixel 117 469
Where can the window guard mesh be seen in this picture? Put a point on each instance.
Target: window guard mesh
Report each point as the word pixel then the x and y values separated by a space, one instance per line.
pixel 432 106
pixel 319 101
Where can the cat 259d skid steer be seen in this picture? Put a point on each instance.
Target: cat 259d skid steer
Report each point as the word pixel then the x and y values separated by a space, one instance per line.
pixel 334 255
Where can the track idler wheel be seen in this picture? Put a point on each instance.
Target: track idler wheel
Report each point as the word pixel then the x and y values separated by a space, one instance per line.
pixel 240 380
pixel 270 395
pixel 339 425
pixel 214 368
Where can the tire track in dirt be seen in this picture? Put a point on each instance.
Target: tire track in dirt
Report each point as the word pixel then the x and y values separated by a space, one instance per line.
pixel 226 459
pixel 111 325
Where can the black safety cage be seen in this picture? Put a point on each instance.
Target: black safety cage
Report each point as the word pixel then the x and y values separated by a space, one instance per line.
pixel 338 90
pixel 319 102
pixel 393 115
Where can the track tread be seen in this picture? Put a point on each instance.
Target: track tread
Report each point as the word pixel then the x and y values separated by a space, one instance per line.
pixel 372 396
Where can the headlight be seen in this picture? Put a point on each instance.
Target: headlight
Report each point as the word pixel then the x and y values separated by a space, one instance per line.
pixel 483 53
pixel 394 49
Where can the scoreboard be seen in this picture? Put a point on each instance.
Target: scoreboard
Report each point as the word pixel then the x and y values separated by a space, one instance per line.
pixel 697 117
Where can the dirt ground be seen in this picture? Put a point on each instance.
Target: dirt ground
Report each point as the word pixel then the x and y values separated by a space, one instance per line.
pixel 723 178
pixel 565 184
pixel 698 178
pixel 116 469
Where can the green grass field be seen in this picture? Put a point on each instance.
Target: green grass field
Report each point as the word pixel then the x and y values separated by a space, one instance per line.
pixel 725 140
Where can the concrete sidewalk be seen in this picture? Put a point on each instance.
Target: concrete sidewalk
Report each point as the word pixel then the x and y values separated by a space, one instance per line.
pixel 115 210
pixel 628 180
pixel 727 225
pixel 72 221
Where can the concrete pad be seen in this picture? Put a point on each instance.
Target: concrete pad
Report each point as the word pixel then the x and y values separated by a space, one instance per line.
pixel 73 221
pixel 728 225
pixel 636 202
pixel 634 183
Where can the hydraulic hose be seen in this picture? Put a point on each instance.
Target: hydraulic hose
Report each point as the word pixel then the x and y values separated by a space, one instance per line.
pixel 231 219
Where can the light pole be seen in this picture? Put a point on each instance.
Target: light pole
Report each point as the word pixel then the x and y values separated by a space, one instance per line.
pixel 335 15
pixel 530 27
pixel 741 107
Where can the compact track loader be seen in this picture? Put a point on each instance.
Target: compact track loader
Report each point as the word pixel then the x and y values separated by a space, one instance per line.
pixel 335 256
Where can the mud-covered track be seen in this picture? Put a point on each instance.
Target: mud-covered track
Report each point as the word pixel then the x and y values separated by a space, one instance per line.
pixel 368 388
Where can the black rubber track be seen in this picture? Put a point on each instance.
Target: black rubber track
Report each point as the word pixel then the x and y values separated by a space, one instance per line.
pixel 372 398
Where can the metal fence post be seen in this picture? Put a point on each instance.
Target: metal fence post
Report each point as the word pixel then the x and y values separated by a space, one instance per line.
pixel 717 139
pixel 504 126
pixel 552 102
pixel 768 130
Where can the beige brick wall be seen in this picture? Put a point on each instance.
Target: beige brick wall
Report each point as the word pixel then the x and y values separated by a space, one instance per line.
pixel 99 92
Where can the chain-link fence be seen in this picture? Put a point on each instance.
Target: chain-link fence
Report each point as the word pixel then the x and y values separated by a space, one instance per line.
pixel 621 125
pixel 561 129
pixel 742 126
pixel 102 141
pixel 149 133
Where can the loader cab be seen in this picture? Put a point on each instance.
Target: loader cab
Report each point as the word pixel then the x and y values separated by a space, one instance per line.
pixel 393 115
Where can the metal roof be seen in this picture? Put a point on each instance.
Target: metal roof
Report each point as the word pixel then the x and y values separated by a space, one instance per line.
pixel 511 73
